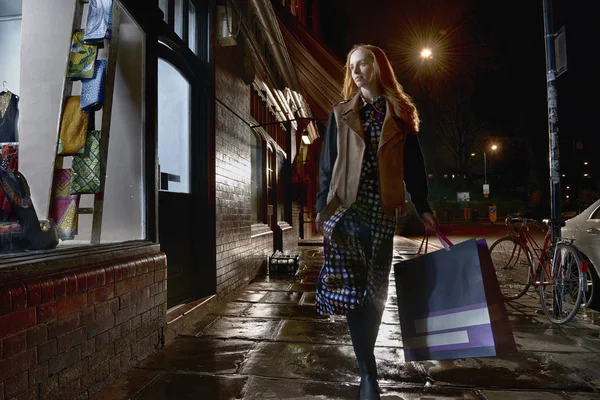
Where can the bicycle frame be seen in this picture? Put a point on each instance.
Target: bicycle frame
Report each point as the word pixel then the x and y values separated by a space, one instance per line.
pixel 535 251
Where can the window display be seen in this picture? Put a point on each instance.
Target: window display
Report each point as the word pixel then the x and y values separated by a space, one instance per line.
pixel 54 135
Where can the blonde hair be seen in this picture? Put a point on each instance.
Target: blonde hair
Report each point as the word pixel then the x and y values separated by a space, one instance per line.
pixel 402 105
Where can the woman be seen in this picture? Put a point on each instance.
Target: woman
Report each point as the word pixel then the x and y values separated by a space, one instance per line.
pixel 370 151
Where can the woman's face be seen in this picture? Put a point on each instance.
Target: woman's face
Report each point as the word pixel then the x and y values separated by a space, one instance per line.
pixel 363 70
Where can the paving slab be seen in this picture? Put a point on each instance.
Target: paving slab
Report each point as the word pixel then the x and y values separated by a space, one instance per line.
pixel 302 361
pixel 520 394
pixel 322 332
pixel 242 328
pixel 201 355
pixel 521 370
pixel 287 311
pixel 294 389
pixel 283 297
pixel 193 387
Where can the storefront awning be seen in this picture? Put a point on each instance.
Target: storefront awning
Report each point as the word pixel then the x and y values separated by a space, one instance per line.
pixel 320 73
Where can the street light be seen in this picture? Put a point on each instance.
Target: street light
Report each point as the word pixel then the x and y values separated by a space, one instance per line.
pixel 493 147
pixel 426 53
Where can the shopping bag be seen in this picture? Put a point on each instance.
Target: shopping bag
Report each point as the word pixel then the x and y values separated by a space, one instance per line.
pixel 450 305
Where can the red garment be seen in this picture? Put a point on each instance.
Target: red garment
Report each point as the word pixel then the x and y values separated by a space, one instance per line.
pixel 9 161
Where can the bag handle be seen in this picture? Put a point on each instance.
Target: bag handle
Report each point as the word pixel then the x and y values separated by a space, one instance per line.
pixel 442 238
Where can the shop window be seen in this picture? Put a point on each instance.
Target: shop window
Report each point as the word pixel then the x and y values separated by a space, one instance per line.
pixel 181 16
pixel 82 155
pixel 173 129
pixel 258 198
pixel 281 185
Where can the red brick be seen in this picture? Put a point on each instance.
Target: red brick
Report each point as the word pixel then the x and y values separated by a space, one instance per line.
pixel 60 286
pixel 14 344
pixel 141 267
pixel 86 316
pixel 47 286
pixel 103 310
pixel 124 315
pixel 147 280
pixel 64 360
pixel 39 373
pixel 63 324
pixel 120 272
pixel 71 339
pixel 145 293
pixel 81 280
pixel 71 283
pixel 18 296
pixel 5 300
pixel 16 322
pixel 155 288
pixel 36 335
pixel 100 326
pixel 160 274
pixel 109 273
pixel 100 294
pixel 95 277
pixel 102 340
pixel 17 364
pixel 71 304
pixel 47 350
pixel 34 292
pixel 125 286
pixel 126 300
pixel 88 347
pixel 30 394
pixel 46 312
pixel 16 385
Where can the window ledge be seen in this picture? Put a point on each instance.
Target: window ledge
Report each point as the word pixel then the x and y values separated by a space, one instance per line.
pixel 35 263
pixel 259 230
pixel 284 225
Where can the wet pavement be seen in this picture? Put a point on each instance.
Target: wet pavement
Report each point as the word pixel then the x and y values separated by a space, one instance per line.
pixel 267 343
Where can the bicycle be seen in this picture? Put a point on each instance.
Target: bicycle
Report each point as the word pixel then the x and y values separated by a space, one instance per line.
pixel 556 270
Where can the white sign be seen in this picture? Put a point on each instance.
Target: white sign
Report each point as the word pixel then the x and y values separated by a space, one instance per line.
pixel 463 196
pixel 486 188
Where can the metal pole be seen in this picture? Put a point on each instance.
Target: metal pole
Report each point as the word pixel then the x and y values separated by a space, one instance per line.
pixel 552 122
pixel 484 168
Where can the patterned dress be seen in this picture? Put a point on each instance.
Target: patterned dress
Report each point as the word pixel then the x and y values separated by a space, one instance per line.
pixel 358 240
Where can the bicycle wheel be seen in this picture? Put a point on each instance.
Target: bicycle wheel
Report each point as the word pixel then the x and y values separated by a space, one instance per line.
pixel 562 299
pixel 512 264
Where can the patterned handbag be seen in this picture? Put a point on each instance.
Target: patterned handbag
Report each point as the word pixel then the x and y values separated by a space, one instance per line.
pixel 73 128
pixel 86 167
pixel 92 90
pixel 63 209
pixel 81 58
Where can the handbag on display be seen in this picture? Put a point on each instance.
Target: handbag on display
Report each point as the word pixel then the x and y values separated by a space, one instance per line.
pixel 73 128
pixel 64 205
pixel 86 167
pixel 450 305
pixel 32 233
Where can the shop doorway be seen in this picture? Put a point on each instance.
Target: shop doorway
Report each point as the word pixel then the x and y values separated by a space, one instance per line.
pixel 183 181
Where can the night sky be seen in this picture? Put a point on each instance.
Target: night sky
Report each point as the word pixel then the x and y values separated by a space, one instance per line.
pixel 492 51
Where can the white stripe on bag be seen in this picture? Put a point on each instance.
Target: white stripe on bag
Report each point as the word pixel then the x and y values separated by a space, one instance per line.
pixel 438 339
pixel 460 319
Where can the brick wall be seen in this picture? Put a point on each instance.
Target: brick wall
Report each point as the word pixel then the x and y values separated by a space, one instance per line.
pixel 66 335
pixel 239 255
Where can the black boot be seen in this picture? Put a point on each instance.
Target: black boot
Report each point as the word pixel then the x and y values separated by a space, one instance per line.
pixel 363 336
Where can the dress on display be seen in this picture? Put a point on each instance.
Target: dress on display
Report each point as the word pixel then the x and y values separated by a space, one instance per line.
pixel 9 111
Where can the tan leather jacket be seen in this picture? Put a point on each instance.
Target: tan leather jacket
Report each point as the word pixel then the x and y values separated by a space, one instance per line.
pixel 344 175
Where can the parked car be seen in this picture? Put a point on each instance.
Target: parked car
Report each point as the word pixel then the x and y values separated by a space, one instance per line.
pixel 584 228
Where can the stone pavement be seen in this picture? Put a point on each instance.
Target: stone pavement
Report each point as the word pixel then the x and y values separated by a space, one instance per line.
pixel 267 343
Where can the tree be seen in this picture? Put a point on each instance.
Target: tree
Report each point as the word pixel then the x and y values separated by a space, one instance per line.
pixel 460 132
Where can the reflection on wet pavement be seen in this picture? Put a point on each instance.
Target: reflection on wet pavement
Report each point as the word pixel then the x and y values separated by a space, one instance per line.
pixel 265 342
